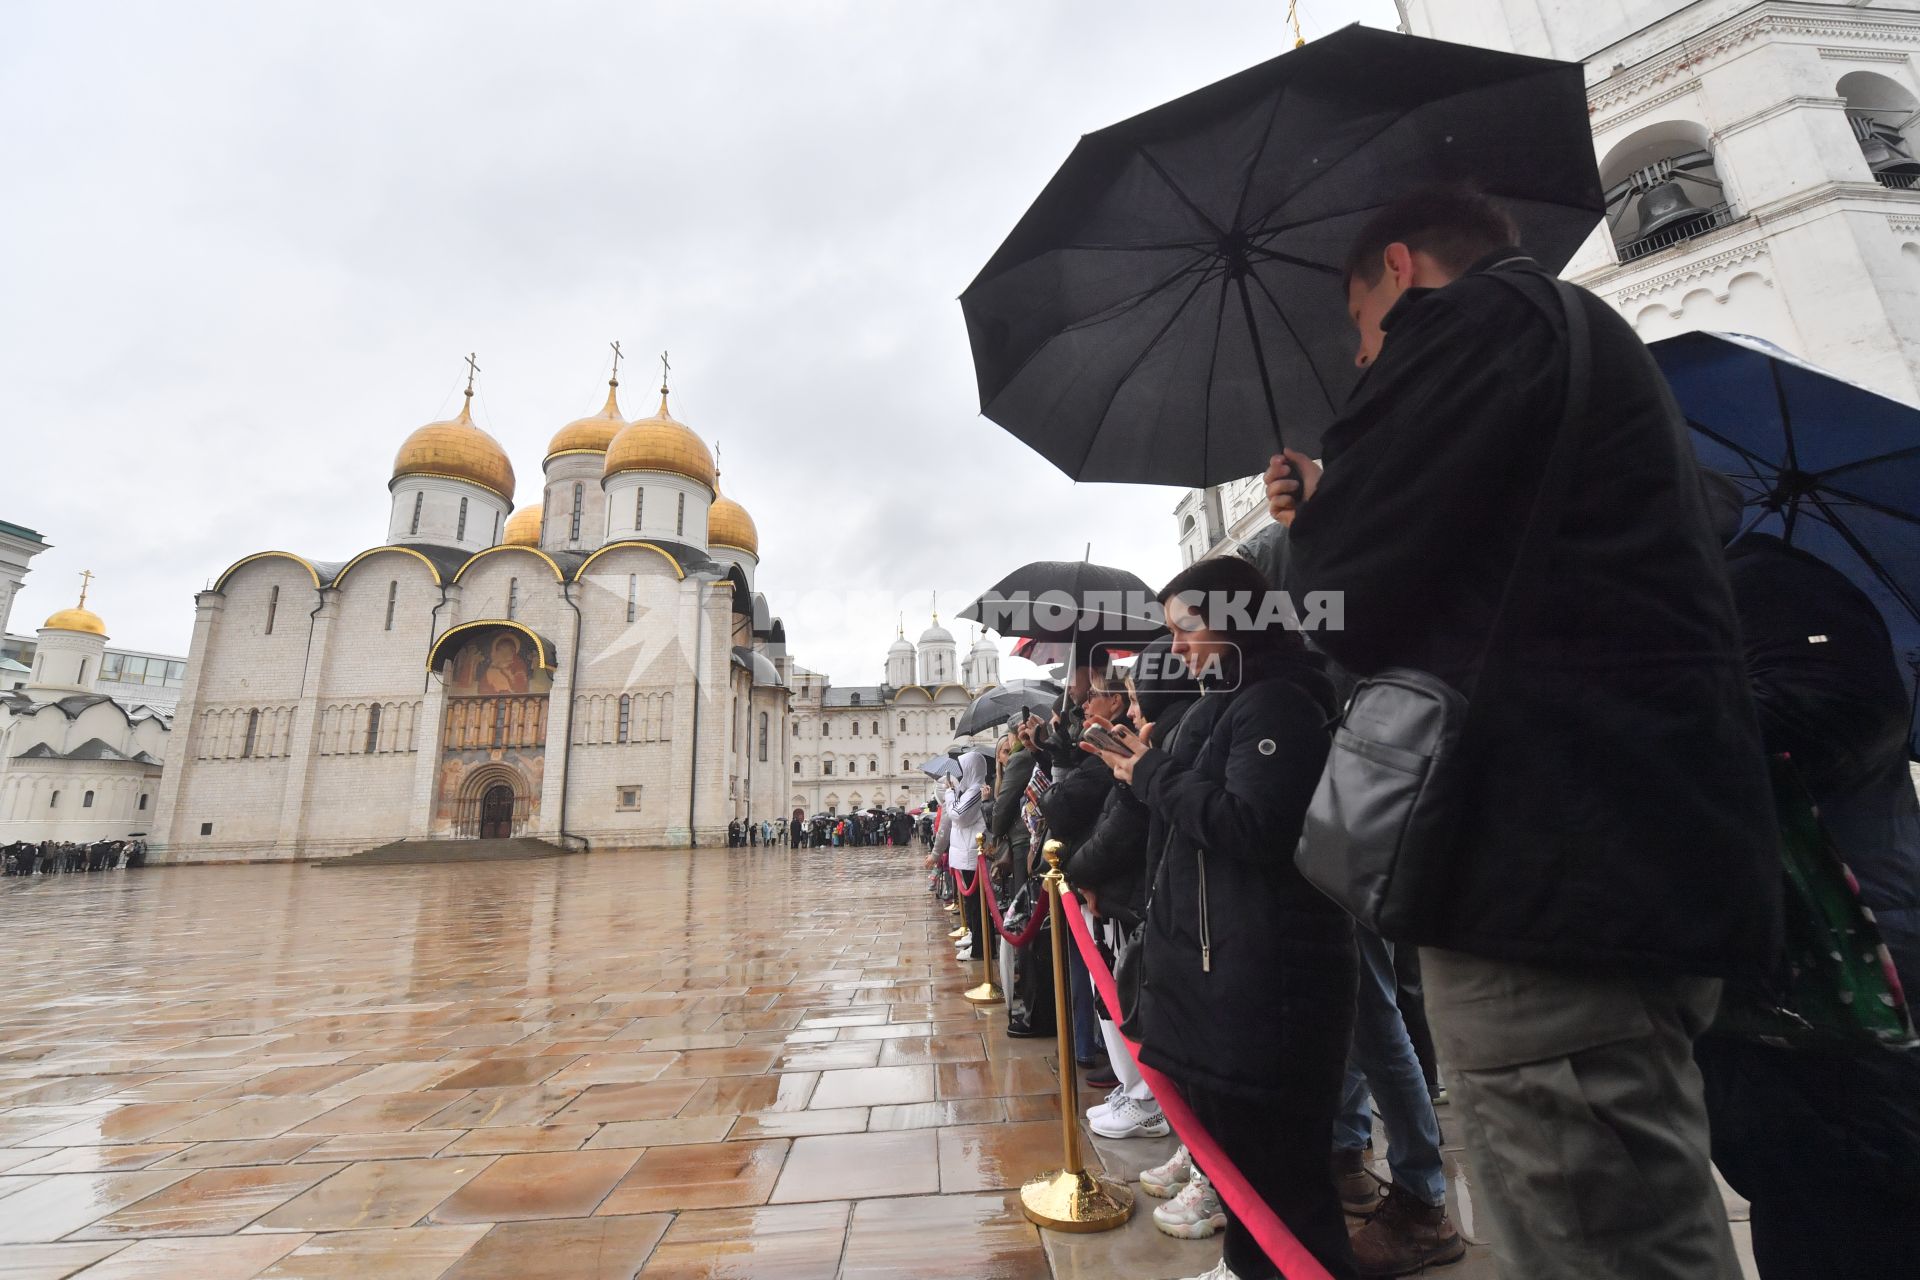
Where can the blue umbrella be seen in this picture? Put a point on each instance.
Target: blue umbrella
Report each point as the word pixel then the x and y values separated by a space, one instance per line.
pixel 1824 464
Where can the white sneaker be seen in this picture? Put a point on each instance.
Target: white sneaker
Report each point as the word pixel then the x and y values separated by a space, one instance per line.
pixel 1128 1118
pixel 1194 1214
pixel 1164 1181
pixel 964 954
pixel 1219 1271
pixel 1105 1105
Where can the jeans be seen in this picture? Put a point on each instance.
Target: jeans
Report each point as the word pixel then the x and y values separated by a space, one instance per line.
pixel 1383 1063
pixel 1087 1044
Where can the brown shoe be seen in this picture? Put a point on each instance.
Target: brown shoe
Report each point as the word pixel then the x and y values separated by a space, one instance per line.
pixel 1359 1186
pixel 1405 1234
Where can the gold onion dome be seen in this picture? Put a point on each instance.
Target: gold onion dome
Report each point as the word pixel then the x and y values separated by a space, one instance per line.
pixel 660 443
pixel 457 450
pixel 77 620
pixel 729 525
pixel 591 434
pixel 523 527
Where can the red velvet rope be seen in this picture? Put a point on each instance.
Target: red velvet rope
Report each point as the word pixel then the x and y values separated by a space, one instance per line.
pixel 1027 934
pixel 1279 1244
pixel 961 884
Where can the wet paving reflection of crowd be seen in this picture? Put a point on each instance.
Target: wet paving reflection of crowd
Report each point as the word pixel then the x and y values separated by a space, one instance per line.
pixel 679 1063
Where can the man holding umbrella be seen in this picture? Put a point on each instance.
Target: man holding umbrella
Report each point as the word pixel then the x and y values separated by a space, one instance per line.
pixel 1613 856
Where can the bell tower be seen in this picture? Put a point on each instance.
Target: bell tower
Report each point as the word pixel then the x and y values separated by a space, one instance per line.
pixel 1759 164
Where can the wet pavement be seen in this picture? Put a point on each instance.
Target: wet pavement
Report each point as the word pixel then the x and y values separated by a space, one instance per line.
pixel 707 1063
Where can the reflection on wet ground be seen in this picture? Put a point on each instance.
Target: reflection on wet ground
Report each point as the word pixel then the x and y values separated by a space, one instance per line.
pixel 703 1063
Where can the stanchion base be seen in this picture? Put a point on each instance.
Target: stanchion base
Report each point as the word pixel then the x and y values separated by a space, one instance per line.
pixel 1068 1201
pixel 985 993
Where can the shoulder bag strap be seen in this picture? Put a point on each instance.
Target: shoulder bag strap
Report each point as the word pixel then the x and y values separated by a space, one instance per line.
pixel 1557 478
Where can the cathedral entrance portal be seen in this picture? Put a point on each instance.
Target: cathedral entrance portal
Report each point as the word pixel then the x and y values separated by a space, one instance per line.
pixel 496 813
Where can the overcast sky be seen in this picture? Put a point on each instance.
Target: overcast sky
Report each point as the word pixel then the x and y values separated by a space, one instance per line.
pixel 244 249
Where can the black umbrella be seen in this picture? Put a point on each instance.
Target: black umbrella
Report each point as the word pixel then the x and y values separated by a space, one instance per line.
pixel 1824 464
pixel 1011 698
pixel 1067 599
pixel 1175 295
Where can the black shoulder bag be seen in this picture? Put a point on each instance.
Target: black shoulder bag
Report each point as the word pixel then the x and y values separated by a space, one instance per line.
pixel 1381 824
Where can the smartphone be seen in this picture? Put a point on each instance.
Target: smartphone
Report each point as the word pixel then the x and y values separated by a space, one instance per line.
pixel 1101 738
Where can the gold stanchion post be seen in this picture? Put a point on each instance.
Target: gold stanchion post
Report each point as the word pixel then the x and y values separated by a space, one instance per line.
pixel 1070 1198
pixel 986 992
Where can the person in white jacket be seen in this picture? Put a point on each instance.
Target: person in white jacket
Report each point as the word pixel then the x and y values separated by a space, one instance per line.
pixel 968 824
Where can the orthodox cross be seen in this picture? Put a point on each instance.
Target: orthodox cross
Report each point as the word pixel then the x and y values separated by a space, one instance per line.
pixel 665 369
pixel 616 362
pixel 716 459
pixel 472 368
pixel 86 581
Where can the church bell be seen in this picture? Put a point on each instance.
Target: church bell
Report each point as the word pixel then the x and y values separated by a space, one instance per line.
pixel 1664 205
pixel 1885 150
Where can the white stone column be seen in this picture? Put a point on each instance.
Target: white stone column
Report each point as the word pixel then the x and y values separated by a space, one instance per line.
pixel 433 710
pixel 303 737
pixel 183 744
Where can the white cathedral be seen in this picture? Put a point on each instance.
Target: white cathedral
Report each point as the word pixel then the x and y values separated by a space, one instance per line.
pixel 595 670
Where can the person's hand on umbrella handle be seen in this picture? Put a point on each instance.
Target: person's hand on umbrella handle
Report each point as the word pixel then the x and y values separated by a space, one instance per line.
pixel 1291 478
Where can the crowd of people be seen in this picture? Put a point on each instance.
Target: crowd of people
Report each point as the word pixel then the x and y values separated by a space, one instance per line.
pixel 59 857
pixel 831 830
pixel 1612 871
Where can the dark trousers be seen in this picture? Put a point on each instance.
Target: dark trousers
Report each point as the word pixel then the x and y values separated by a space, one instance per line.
pixel 1285 1153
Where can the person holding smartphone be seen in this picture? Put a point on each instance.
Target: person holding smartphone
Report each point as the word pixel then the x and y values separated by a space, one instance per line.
pixel 1248 973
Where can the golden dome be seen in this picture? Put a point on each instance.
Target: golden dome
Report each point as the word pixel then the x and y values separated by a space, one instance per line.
pixel 660 443
pixel 591 434
pixel 729 525
pixel 457 450
pixel 523 527
pixel 77 620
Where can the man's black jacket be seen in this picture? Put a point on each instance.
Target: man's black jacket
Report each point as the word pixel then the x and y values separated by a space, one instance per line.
pixel 1617 811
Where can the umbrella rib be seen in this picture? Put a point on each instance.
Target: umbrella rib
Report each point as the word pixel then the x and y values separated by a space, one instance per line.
pixel 1898 455
pixel 1293 333
pixel 1866 557
pixel 1713 435
pixel 1293 260
pixel 1206 407
pixel 1786 433
pixel 1176 189
pixel 1134 367
pixel 1871 504
pixel 1259 154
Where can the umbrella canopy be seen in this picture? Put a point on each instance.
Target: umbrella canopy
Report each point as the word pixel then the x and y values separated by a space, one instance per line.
pixel 1011 698
pixel 941 767
pixel 1822 463
pixel 1070 599
pixel 1175 296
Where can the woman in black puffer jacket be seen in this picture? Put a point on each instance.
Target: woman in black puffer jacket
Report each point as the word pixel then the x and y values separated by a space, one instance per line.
pixel 1248 973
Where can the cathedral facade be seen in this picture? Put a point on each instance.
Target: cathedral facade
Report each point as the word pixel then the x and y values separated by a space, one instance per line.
pixel 861 746
pixel 595 670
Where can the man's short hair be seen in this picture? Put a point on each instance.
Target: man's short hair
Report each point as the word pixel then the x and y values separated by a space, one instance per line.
pixel 1454 224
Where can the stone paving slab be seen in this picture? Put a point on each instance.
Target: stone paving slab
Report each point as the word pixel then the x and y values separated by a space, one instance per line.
pixel 716 1062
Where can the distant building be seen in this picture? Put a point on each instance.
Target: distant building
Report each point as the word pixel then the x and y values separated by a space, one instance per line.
pixel 861 746
pixel 77 762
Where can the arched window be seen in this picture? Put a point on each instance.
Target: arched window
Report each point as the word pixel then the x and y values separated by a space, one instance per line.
pixel 633 596
pixel 763 737
pixel 54 801
pixel 460 530
pixel 373 729
pixel 873 764
pixel 856 728
pixel 626 718
pixel 273 606
pixel 143 802
pixel 253 733
pixel 639 507
pixel 86 801
pixel 579 491
pixel 826 765
pixel 393 598
pixel 680 518
pixel 903 724
pixel 419 498
pixel 513 597
pixel 826 728
pixel 953 722
pixel 1662 188
pixel 1881 111
pixel 876 728
pixel 796 767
